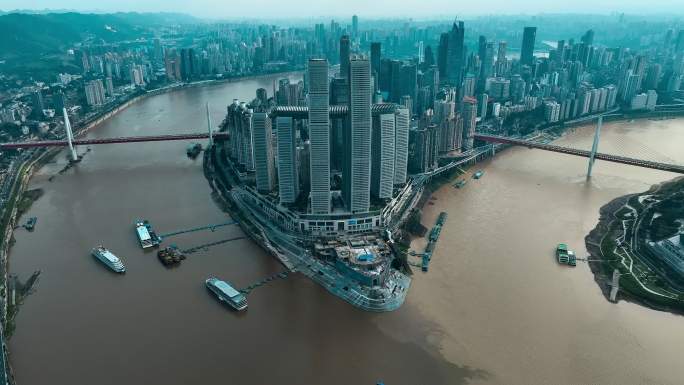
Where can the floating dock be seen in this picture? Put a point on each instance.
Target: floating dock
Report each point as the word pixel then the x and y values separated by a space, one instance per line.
pixel 565 256
pixel 433 237
pixel 146 235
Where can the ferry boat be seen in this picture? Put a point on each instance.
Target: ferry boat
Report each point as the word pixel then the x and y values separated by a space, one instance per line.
pixel 31 223
pixel 227 293
pixel 110 260
pixel 478 175
pixel 193 150
pixel 147 237
pixel 565 256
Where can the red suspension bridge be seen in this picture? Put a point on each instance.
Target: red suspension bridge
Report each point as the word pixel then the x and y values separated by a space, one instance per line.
pixel 125 139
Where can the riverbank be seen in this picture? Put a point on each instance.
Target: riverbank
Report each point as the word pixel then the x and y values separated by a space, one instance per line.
pixel 616 244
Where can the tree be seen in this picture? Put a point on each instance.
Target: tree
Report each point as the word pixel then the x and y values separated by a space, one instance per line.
pixel 10 131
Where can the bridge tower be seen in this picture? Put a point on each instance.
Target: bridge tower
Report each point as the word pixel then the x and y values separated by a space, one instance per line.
pixel 594 146
pixel 211 138
pixel 70 135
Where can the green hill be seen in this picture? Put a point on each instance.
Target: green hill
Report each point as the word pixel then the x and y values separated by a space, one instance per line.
pixel 26 34
pixel 35 44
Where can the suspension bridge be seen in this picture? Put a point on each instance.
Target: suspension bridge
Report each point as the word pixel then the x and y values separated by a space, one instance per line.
pixel 647 157
pixel 128 139
pixel 71 142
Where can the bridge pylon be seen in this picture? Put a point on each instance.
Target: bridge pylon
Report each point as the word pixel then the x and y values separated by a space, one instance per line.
pixel 70 135
pixel 211 137
pixel 594 146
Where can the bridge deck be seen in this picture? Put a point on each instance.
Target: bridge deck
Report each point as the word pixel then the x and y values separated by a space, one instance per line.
pixel 584 153
pixel 129 139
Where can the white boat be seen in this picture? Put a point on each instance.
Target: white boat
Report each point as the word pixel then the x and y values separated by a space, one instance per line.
pixel 227 293
pixel 109 259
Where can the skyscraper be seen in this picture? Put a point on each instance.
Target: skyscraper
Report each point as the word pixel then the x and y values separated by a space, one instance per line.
pixel 629 85
pixel 375 54
pixel 339 95
pixel 38 101
pixel 481 46
pixel 679 46
pixel 560 52
pixel 95 93
pixel 109 86
pixel 357 143
pixel 402 116
pixel 383 156
pixel 319 135
pixel 527 50
pixel 484 99
pixel 429 59
pixel 469 85
pixel 442 50
pixel 355 27
pixel 409 82
pixel 263 152
pixel 469 122
pixel 486 62
pixel 187 63
pixel 288 177
pixel 455 60
pixel 501 53
pixel 344 56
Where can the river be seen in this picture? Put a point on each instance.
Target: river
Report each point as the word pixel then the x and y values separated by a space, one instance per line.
pixel 494 308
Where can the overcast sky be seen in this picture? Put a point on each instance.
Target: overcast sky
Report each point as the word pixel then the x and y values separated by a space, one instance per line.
pixel 344 8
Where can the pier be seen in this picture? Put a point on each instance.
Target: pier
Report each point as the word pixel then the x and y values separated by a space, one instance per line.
pixel 433 237
pixel 615 285
pixel 200 228
pixel 206 246
pixel 270 278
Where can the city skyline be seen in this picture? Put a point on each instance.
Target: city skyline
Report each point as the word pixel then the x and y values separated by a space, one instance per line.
pixel 299 9
pixel 468 177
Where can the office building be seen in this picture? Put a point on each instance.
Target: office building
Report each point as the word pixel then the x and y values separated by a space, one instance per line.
pixel 383 156
pixel 527 50
pixel 355 27
pixel 357 143
pixel 344 56
pixel 288 173
pixel 469 122
pixel 451 55
pixel 375 55
pixel 319 135
pixel 263 152
pixel 402 117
